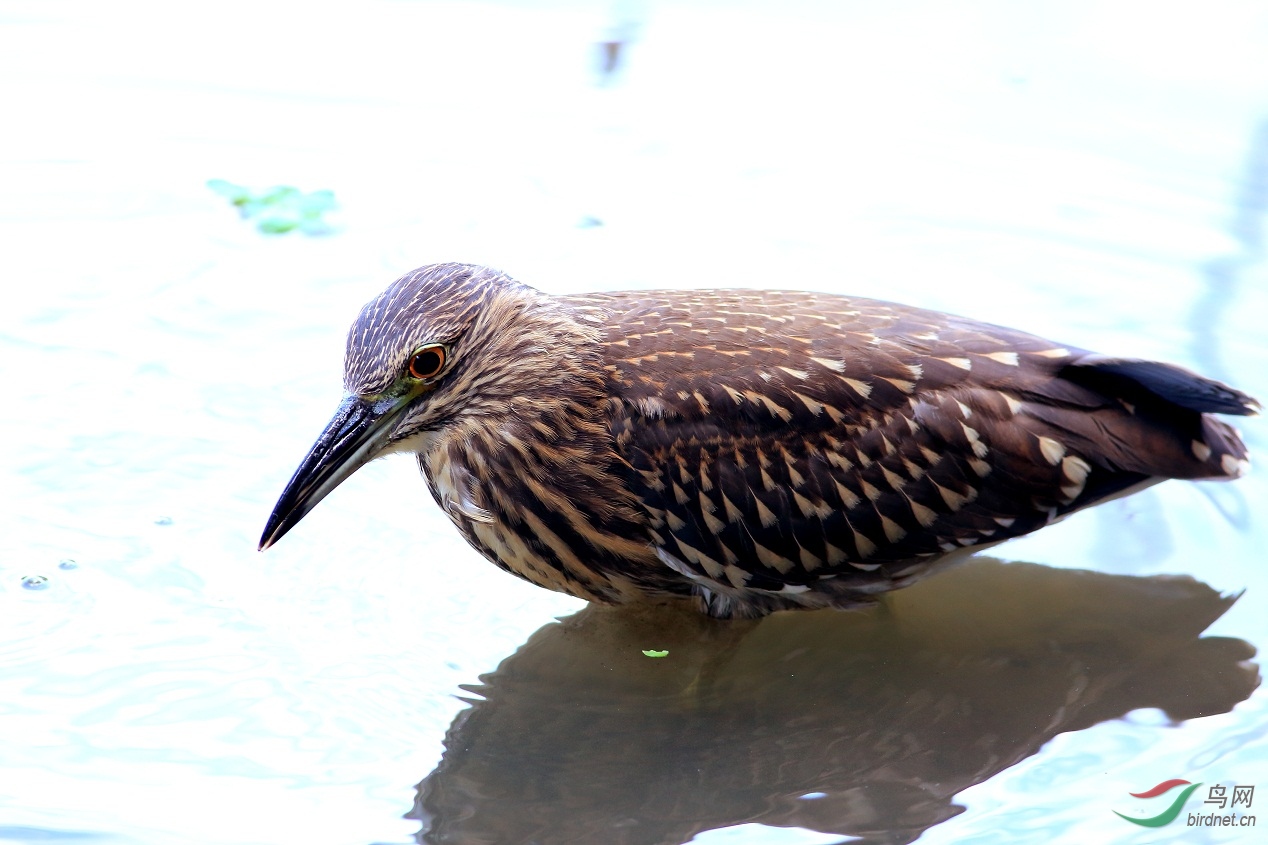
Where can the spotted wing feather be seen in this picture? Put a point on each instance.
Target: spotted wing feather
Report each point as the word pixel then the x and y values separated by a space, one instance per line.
pixel 806 449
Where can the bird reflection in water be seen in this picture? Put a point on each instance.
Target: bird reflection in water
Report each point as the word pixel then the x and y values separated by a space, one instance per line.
pixel 881 715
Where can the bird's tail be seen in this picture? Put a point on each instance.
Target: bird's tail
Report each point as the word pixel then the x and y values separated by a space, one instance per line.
pixel 1165 424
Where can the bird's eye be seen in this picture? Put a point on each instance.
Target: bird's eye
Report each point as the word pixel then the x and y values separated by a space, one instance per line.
pixel 427 361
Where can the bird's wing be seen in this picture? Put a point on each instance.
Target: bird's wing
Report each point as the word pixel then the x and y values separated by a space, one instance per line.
pixel 779 438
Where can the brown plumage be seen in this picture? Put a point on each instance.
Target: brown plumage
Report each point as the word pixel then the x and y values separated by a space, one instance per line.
pixel 759 450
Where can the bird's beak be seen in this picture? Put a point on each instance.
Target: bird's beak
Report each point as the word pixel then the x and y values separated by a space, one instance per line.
pixel 357 433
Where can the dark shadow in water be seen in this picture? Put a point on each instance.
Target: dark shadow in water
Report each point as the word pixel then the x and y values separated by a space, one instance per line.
pixel 889 712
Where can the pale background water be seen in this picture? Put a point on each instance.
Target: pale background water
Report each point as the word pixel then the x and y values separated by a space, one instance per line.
pixel 1094 172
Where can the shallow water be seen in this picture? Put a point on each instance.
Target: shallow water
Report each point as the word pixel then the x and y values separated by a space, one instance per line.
pixel 166 367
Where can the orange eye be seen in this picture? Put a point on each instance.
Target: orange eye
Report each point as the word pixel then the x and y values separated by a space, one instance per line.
pixel 427 361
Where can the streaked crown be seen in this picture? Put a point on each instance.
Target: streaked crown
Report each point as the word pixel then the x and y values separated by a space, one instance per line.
pixel 434 304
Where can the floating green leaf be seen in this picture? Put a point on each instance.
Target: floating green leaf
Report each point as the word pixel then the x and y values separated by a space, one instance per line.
pixel 279 209
pixel 236 194
pixel 651 652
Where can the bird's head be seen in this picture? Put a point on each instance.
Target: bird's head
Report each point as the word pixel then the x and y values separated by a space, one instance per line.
pixel 444 343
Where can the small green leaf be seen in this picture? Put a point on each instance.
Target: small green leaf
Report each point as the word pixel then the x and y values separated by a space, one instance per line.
pixel 279 209
pixel 276 225
pixel 651 652
pixel 236 194
pixel 317 202
pixel 279 195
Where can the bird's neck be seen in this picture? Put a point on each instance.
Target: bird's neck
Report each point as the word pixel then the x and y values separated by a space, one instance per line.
pixel 543 458
pixel 537 493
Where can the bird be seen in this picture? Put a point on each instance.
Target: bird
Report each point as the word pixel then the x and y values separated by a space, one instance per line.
pixel 750 451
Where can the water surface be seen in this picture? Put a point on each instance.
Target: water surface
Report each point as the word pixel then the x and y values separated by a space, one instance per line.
pixel 1095 175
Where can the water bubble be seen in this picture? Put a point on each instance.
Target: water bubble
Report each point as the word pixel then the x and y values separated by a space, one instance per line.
pixel 35 582
pixel 67 563
pixel 163 520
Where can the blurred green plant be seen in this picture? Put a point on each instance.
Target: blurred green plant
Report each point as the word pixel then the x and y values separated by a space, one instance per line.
pixel 281 209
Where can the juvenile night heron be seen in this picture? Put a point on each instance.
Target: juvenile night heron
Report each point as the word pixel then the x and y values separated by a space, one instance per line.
pixel 759 450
